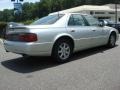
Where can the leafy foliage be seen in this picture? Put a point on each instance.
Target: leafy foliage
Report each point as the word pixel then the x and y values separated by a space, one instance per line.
pixel 2 25
pixel 2 28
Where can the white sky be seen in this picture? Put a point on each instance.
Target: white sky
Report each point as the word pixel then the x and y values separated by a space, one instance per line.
pixel 7 4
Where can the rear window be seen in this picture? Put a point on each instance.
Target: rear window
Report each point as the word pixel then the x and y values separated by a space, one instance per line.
pixel 51 19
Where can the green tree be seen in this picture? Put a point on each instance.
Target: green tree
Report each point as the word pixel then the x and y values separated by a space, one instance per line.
pixel 31 11
pixel 6 15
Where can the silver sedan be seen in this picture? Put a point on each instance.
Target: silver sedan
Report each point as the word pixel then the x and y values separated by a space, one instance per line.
pixel 59 35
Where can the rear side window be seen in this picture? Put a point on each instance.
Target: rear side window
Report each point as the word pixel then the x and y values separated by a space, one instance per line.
pixel 91 20
pixel 76 20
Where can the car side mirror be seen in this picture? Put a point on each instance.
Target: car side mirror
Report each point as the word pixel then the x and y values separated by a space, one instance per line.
pixel 101 24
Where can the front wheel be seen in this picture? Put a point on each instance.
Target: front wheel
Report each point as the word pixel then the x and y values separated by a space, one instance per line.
pixel 112 40
pixel 62 50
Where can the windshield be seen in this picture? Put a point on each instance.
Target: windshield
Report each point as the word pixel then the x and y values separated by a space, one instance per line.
pixel 50 19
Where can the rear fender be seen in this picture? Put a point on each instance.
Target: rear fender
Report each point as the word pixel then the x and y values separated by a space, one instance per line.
pixel 62 35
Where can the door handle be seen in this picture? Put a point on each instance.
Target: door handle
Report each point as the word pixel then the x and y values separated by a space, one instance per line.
pixel 94 30
pixel 72 30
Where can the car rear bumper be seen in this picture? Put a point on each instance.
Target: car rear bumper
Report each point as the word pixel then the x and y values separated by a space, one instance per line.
pixel 32 49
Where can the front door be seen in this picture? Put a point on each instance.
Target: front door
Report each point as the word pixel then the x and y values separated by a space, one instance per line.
pixel 97 31
pixel 81 31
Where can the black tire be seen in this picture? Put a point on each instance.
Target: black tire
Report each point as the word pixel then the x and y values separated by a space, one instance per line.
pixel 62 50
pixel 112 40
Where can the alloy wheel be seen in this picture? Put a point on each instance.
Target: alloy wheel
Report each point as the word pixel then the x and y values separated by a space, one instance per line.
pixel 63 51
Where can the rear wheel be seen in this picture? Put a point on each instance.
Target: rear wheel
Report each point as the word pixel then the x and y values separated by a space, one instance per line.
pixel 62 50
pixel 112 40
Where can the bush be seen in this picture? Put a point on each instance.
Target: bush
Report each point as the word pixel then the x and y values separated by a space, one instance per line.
pixel 28 22
pixel 2 28
pixel 3 25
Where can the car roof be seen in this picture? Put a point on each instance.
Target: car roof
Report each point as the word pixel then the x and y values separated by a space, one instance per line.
pixel 67 13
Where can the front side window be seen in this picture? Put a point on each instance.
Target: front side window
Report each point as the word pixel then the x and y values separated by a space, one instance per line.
pixel 50 19
pixel 76 20
pixel 91 20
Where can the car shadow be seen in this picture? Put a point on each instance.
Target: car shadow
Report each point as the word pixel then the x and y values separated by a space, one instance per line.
pixel 30 65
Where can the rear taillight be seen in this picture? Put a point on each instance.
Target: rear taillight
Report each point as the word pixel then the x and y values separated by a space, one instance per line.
pixel 28 37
